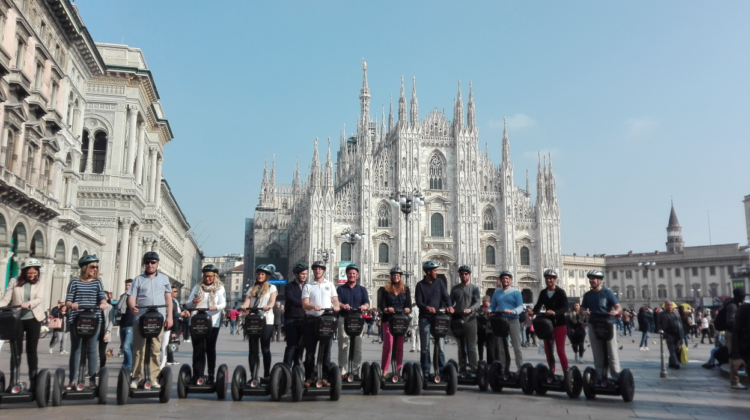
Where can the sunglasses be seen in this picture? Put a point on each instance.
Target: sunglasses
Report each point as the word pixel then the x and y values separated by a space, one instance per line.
pixel 93 267
pixel 151 262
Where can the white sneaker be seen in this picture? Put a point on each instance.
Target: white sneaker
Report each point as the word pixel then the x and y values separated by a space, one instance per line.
pixel 646 349
pixel 50 351
pixel 155 385
pixel 63 352
pixel 133 384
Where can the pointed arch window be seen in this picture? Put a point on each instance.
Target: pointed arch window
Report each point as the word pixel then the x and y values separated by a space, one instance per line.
pixel 436 225
pixel 489 219
pixel 437 179
pixel 383 253
pixel 525 259
pixel 489 253
pixel 384 215
pixel 346 251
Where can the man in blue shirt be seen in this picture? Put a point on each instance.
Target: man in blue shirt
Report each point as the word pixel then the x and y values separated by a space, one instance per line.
pixel 509 302
pixel 601 303
pixel 431 296
pixel 351 297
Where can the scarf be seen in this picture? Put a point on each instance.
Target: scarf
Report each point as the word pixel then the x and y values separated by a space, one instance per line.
pixel 210 290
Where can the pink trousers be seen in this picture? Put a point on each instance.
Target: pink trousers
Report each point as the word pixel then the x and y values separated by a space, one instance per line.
pixel 560 333
pixel 388 340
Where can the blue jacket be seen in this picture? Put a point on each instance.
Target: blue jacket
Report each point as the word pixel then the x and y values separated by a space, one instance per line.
pixel 507 299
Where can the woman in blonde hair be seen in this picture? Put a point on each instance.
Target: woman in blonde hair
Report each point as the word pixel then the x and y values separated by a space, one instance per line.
pixel 394 297
pixel 263 295
pixel 208 294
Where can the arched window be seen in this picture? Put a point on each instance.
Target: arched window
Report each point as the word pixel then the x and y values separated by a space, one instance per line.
pixel 437 181
pixel 285 204
pixel 84 151
pixel 346 251
pixel 489 255
pixel 274 253
pixel 489 219
pixel 100 152
pixel 384 215
pixel 436 225
pixel 383 253
pixel 525 260
pixel 572 292
pixel 60 252
pixel 74 256
pixel 631 292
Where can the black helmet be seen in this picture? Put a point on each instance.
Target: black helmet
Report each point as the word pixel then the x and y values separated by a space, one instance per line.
pixel 429 266
pixel 150 255
pixel 595 274
pixel 300 267
pixel 212 268
pixel 320 264
pixel 465 268
pixel 87 259
pixel 265 268
pixel 397 270
pixel 550 273
pixel 505 273
pixel 352 266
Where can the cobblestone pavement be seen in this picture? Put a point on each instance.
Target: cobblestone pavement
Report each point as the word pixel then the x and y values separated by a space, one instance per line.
pixel 690 393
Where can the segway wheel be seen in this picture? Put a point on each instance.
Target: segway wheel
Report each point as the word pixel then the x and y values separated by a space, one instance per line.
pixel 183 379
pixel 482 376
pixel 627 385
pixel 576 382
pixel 41 393
pixel 364 377
pixel 526 381
pixel 375 374
pixel 334 376
pixel 2 381
pixel 454 363
pixel 165 380
pixel 123 387
pixel 298 383
pixel 56 393
pixel 418 379
pixel 275 383
pixel 452 376
pixel 539 378
pixel 222 381
pixel 103 388
pixel 407 375
pixel 589 381
pixel 493 377
pixel 60 377
pixel 239 377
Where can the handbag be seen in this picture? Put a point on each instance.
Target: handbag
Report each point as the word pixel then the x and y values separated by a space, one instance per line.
pixel 55 323
pixel 683 354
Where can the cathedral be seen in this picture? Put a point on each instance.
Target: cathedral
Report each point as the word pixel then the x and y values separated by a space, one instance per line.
pixel 405 190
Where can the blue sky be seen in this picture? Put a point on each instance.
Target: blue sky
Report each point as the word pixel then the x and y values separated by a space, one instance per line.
pixel 638 102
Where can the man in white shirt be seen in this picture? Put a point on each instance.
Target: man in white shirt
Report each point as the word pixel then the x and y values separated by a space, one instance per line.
pixel 317 295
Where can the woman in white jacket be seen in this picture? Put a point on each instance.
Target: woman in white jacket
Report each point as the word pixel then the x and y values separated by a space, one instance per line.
pixel 208 294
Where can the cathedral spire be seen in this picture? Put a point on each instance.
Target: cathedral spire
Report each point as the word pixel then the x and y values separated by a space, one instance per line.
pixel 527 184
pixel 674 233
pixel 382 127
pixel 471 118
pixel 273 170
pixel 506 142
pixel 458 112
pixel 265 171
pixel 315 169
pixel 390 116
pixel 329 166
pixel 364 96
pixel 402 105
pixel 540 183
pixel 414 105
pixel 295 181
pixel 552 188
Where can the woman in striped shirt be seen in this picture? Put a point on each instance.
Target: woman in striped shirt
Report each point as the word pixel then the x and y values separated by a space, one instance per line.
pixel 84 290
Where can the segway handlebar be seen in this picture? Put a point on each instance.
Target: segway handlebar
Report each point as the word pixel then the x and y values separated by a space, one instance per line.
pixel 9 307
pixel 83 307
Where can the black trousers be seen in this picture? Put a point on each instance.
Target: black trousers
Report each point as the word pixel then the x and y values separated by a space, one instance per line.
pixel 530 336
pixel 578 348
pixel 103 352
pixel 673 344
pixel 467 348
pixel 31 327
pixel 487 339
pixel 311 342
pixel 705 333
pixel 265 349
pixel 205 350
pixel 294 343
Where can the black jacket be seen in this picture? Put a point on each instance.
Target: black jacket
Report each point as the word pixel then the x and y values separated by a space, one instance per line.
pixel 741 334
pixel 558 303
pixel 386 300
pixel 433 295
pixel 293 308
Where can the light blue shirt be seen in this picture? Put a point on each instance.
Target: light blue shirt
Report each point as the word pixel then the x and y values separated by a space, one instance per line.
pixel 503 300
pixel 149 291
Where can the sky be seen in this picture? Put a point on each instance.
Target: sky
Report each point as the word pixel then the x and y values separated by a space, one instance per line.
pixel 638 103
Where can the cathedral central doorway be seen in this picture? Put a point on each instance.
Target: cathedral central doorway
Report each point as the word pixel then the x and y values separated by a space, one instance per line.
pixel 527 295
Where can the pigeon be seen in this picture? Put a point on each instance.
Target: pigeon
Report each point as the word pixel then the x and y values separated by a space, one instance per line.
pixel 696 345
pixel 621 347
pixel 633 341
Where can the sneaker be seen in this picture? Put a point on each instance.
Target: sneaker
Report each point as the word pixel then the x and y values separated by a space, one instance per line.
pixel 133 384
pixel 411 351
pixel 63 352
pixel 738 386
pixel 646 349
pixel 155 385
pixel 708 365
pixel 188 341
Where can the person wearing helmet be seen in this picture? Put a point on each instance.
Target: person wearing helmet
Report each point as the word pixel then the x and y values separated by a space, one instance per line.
pixel 294 315
pixel 209 294
pixel 317 295
pixel 351 296
pixel 86 290
pixel 262 295
pixel 395 296
pixel 431 296
pixel 509 302
pixel 600 302
pixel 149 289
pixel 466 301
pixel 555 302
pixel 27 291
pixel 485 336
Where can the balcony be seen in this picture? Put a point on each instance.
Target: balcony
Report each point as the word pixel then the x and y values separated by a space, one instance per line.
pixel 37 103
pixel 4 62
pixel 19 84
pixel 53 119
pixel 16 193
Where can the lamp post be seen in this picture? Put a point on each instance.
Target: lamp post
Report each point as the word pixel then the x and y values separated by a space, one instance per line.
pixel 325 255
pixel 407 201
pixel 352 237
pixel 646 265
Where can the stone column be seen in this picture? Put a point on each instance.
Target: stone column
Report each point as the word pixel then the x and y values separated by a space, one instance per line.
pixel 152 187
pixel 36 172
pixel 122 271
pixel 90 157
pixel 134 257
pixel 73 192
pixel 157 199
pixel 56 174
pixel 132 139
pixel 4 147
pixel 139 154
pixel 18 154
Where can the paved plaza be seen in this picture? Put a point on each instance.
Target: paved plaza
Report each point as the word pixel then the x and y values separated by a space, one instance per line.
pixel 690 393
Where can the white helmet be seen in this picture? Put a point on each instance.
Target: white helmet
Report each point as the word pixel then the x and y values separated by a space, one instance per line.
pixel 31 262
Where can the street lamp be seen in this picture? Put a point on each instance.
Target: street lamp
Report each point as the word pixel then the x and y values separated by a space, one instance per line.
pixel 407 201
pixel 352 237
pixel 325 255
pixel 646 266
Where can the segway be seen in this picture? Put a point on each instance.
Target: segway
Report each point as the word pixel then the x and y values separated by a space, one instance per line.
pixel 325 326
pixel 150 326
pixel 17 391
pixel 86 326
pixel 354 323
pixel 447 380
pixel 543 378
pixel 604 330
pixel 398 325
pixel 281 377
pixel 500 375
pixel 465 376
pixel 200 329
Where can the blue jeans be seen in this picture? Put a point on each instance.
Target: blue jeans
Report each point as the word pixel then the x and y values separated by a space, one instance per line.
pixel 644 339
pixel 126 342
pixel 232 325
pixel 92 355
pixel 425 356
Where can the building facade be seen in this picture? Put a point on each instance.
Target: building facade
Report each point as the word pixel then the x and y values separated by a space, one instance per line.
pixel 225 262
pixel 82 143
pixel 473 213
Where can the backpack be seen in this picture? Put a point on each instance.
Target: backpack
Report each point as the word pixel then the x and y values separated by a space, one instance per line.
pixel 720 322
pixel 523 317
